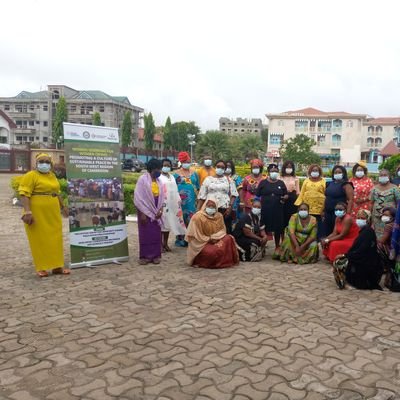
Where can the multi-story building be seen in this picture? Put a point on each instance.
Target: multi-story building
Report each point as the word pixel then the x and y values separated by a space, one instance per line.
pixel 33 113
pixel 339 136
pixel 240 125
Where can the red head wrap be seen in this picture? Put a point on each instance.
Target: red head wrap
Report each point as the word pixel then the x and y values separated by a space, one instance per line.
pixel 257 162
pixel 183 156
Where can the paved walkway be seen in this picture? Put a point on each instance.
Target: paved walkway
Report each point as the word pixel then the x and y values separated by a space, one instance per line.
pixel 262 331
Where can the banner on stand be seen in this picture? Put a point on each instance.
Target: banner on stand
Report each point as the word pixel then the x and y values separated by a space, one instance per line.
pixel 96 200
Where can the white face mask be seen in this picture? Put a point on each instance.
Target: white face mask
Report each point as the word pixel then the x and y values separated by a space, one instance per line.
pixel 398 172
pixel 359 174
pixel 361 223
pixel 385 219
pixel 338 177
pixel 289 171
pixel 228 171
pixel 255 171
pixel 210 210
pixel 43 168
pixel 256 211
pixel 166 170
pixel 208 162
pixel 303 213
pixel 274 175
pixel 186 165
pixel 314 174
pixel 219 171
pixel 383 179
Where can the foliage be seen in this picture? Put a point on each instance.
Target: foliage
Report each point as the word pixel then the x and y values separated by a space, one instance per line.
pixel 129 190
pixel 97 119
pixel 299 150
pixel 251 146
pixel 391 164
pixel 215 144
pixel 179 134
pixel 264 135
pixel 130 177
pixel 126 130
pixel 14 183
pixel 60 117
pixel 168 134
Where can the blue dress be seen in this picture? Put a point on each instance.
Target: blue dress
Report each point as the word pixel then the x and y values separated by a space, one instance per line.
pixel 236 205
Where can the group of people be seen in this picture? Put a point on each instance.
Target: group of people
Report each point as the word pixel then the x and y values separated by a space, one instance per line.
pixel 223 218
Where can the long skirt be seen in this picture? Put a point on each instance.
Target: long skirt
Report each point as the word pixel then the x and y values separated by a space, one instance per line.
pixel 45 234
pixel 250 249
pixel 149 239
pixel 289 208
pixel 287 251
pixel 222 254
pixel 338 247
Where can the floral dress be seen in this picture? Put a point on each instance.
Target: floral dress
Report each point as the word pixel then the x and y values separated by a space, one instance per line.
pixel 249 189
pixel 188 185
pixel 362 193
pixel 236 205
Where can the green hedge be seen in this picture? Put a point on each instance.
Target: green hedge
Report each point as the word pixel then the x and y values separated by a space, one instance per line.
pixel 129 190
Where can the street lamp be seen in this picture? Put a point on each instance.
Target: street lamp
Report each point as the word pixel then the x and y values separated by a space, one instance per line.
pixel 191 143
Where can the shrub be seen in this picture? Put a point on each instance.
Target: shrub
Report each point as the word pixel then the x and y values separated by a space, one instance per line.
pixel 130 177
pixel 129 190
pixel 14 183
pixel 391 164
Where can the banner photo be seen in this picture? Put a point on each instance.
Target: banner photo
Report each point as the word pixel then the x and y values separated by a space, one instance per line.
pixel 97 222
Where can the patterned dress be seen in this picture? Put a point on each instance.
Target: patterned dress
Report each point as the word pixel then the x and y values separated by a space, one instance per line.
pixel 236 205
pixel 362 194
pixel 249 189
pixel 382 198
pixel 302 233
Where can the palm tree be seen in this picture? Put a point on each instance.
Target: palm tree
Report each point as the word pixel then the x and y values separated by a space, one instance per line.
pixel 214 144
pixel 252 146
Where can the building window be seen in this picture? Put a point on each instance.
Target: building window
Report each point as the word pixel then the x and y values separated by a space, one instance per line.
pixel 276 139
pixel 89 109
pixel 37 138
pixel 235 130
pixel 242 130
pixel 7 107
pixel 46 108
pixel 32 107
pixel 31 138
pixel 45 139
pixel 336 140
pixel 73 108
pixel 223 129
pixel 101 109
pixel 37 122
pixel 223 123
pixel 255 124
pixel 19 138
pixel 45 123
pixel 31 123
pixel 56 94
pixel 349 124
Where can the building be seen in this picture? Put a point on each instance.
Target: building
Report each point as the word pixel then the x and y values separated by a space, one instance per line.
pixel 240 125
pixel 340 136
pixel 7 125
pixel 33 113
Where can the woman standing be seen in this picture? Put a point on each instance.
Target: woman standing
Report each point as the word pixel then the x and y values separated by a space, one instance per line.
pixel 250 235
pixel 172 213
pixel 209 245
pixel 288 176
pixel 300 241
pixel 223 189
pixel 188 185
pixel 250 184
pixel 383 195
pixel 344 233
pixel 362 188
pixel 230 172
pixel 313 193
pixel 149 201
pixel 339 190
pixel 41 200
pixel 273 194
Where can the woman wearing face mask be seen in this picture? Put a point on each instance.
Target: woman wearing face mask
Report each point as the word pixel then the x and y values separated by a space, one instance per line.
pixel 273 194
pixel 41 201
pixel 149 201
pixel 209 245
pixel 344 233
pixel 291 181
pixel 384 194
pixel 230 172
pixel 339 190
pixel 362 188
pixel 362 267
pixel 385 242
pixel 250 235
pixel 206 170
pixel 223 189
pixel 250 184
pixel 313 193
pixel 188 186
pixel 172 212
pixel 300 244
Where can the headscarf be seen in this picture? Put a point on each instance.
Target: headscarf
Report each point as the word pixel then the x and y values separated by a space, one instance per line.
pixel 144 198
pixel 183 156
pixel 366 213
pixel 362 164
pixel 44 155
pixel 257 162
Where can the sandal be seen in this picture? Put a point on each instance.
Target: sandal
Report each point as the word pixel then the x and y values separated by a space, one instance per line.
pixel 156 261
pixel 42 274
pixel 143 261
pixel 61 271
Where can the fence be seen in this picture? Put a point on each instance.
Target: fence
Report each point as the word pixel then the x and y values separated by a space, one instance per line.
pixel 15 160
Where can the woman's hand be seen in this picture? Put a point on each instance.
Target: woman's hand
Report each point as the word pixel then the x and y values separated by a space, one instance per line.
pixel 143 218
pixel 28 219
pixel 298 250
pixel 65 212
pixel 228 211
pixel 213 241
pixel 159 214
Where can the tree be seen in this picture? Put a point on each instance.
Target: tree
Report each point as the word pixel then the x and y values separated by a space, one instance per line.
pixel 149 131
pixel 179 134
pixel 299 150
pixel 213 143
pixel 264 135
pixel 251 146
pixel 96 119
pixel 391 164
pixel 60 117
pixel 126 130
pixel 168 134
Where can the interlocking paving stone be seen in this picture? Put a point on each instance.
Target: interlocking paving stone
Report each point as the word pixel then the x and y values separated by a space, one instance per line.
pixel 169 332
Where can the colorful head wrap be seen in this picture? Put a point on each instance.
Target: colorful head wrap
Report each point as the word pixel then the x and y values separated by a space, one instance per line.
pixel 362 164
pixel 183 156
pixel 366 214
pixel 257 163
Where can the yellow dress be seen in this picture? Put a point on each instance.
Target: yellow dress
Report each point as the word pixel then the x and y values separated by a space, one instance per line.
pixel 313 194
pixel 203 173
pixel 45 234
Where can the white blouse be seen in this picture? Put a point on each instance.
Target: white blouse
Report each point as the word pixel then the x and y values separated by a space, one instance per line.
pixel 221 188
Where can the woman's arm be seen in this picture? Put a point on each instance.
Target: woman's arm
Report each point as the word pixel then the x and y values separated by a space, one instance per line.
pixel 297 184
pixel 247 232
pixel 346 229
pixel 348 188
pixel 300 197
pixel 26 204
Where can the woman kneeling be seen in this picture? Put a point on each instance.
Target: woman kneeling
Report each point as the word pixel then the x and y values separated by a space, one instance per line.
pixel 209 245
pixel 300 241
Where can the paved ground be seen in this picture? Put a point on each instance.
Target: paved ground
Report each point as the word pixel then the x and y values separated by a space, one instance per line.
pixel 263 331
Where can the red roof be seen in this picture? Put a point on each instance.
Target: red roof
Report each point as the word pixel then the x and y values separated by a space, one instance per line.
pixel 383 121
pixel 11 123
pixel 310 111
pixel 157 137
pixel 390 149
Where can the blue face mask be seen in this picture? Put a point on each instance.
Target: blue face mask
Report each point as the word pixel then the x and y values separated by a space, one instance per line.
pixel 256 211
pixel 185 165
pixel 166 170
pixel 43 168
pixel 361 223
pixel 156 174
pixel 340 213
pixel 303 213
pixel 274 175
pixel 338 177
pixel 219 171
pixel 210 210
pixel 208 162
pixel 383 179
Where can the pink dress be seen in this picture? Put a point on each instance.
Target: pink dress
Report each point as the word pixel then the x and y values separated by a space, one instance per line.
pixel 362 192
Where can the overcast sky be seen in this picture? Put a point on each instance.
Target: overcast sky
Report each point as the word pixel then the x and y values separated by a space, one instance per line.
pixel 199 60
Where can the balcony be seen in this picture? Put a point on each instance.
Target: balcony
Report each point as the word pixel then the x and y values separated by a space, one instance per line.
pixel 336 143
pixel 24 131
pixel 21 115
